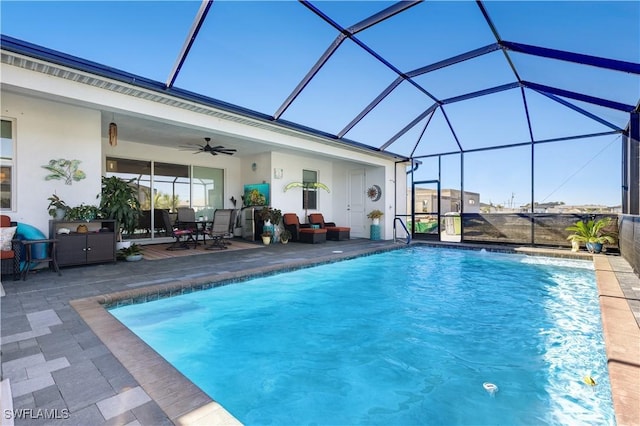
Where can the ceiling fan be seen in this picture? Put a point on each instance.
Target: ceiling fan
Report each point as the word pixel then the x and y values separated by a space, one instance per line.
pixel 213 150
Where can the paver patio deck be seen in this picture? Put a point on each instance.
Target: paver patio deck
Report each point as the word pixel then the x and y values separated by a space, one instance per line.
pixel 58 366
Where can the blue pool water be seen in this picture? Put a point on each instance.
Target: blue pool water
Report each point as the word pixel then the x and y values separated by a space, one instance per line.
pixel 404 337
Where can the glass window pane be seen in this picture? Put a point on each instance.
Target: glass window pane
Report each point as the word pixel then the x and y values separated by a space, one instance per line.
pixel 207 190
pixel 309 195
pixel 171 185
pixel 140 171
pixel 6 166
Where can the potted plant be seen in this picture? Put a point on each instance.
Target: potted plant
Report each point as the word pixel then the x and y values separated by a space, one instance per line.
pixel 265 215
pixel 133 253
pixel 119 201
pixel 266 237
pixel 591 233
pixel 375 216
pixel 57 207
pixel 83 212
pixel 285 236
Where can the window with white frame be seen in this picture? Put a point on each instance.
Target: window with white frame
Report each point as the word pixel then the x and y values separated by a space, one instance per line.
pixel 7 165
pixel 309 192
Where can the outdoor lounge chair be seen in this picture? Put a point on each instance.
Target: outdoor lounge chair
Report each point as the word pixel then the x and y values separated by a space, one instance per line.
pixel 11 248
pixel 335 233
pixel 303 233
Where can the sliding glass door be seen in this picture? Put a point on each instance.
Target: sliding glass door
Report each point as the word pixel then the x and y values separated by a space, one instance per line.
pixel 163 187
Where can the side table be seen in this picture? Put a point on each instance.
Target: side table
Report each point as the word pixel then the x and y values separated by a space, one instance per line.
pixel 50 256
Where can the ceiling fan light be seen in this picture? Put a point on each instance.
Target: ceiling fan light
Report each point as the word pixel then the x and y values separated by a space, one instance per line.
pixel 113 134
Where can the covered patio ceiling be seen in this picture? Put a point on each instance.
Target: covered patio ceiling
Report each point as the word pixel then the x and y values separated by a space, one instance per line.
pixel 412 78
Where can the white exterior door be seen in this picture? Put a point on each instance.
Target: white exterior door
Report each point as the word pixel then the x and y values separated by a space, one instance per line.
pixel 355 208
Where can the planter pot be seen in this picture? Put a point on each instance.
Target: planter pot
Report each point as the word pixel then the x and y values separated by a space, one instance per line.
pixel 284 241
pixel 134 257
pixel 376 221
pixel 266 240
pixel 59 214
pixel 594 247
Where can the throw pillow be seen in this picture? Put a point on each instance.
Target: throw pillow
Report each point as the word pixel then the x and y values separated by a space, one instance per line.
pixel 6 236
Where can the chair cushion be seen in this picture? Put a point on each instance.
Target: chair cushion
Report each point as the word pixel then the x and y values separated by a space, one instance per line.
pixel 7 254
pixel 6 235
pixel 5 221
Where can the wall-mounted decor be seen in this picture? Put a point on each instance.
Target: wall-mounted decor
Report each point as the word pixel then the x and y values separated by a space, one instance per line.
pixel 256 194
pixel 113 134
pixel 66 170
pixel 278 173
pixel 374 193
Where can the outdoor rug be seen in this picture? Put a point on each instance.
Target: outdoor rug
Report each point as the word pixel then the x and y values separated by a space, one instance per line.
pixel 159 251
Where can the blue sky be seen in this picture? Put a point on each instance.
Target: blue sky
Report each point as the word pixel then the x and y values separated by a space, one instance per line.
pixel 254 54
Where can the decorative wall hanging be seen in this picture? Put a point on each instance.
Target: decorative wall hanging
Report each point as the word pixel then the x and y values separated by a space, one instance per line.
pixel 375 192
pixel 66 170
pixel 113 134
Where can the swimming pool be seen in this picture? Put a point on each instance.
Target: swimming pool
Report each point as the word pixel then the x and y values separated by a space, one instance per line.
pixel 405 337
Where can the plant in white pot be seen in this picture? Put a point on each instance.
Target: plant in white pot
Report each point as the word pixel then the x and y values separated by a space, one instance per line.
pixel 375 216
pixel 266 237
pixel 133 253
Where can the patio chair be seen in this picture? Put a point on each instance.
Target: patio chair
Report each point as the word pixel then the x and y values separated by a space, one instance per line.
pixel 182 237
pixel 220 229
pixel 303 233
pixel 335 233
pixel 11 248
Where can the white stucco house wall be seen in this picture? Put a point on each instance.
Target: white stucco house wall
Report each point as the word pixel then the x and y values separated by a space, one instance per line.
pixel 57 110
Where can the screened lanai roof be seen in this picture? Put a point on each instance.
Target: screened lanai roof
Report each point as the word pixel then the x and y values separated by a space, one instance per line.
pixel 411 78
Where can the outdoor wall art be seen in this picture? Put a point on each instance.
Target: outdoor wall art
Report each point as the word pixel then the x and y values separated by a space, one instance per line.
pixel 256 195
pixel 66 170
pixel 374 193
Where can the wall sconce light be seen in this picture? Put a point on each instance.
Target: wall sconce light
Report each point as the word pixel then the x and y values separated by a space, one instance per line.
pixel 113 134
pixel 112 166
pixel 254 167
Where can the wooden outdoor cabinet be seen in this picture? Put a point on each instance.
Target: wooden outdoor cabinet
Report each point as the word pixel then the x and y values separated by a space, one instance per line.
pixel 97 245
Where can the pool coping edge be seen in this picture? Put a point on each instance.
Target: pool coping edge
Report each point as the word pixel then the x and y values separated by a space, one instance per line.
pixel 186 404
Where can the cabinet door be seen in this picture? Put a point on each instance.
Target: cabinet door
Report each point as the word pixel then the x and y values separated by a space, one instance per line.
pixel 71 249
pixel 101 247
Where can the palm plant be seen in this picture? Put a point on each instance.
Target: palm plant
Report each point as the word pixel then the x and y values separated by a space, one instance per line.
pixel 591 232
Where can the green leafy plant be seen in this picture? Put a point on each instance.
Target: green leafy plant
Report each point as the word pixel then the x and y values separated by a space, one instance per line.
pixel 273 215
pixel 119 201
pixel 56 203
pixel 375 214
pixel 133 249
pixel 285 235
pixel 591 231
pixel 83 212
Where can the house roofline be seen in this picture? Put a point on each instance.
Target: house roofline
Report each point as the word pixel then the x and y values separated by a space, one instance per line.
pixel 41 53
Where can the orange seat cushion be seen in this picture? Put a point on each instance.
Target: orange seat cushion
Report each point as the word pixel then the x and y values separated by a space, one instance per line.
pixel 7 254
